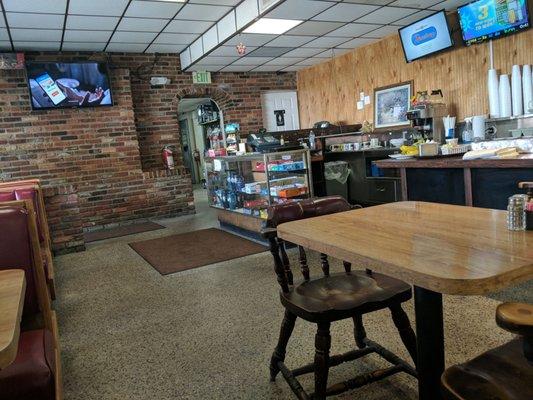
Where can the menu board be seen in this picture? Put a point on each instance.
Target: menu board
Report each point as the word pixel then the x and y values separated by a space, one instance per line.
pixel 490 19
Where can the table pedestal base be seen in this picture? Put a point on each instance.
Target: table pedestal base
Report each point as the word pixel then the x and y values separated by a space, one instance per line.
pixel 430 342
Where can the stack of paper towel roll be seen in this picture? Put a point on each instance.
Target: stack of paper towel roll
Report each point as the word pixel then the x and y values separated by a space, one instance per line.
pixel 512 96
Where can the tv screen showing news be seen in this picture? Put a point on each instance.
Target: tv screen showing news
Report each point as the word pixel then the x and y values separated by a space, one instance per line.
pixel 68 85
pixel 427 36
pixel 491 19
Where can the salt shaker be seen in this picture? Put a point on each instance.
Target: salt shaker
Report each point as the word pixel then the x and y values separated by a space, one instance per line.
pixel 516 213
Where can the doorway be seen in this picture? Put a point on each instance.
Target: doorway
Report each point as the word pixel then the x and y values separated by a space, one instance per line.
pixel 280 110
pixel 200 118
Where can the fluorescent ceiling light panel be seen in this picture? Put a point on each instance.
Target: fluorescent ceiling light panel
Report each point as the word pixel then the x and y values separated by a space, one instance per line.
pixel 272 26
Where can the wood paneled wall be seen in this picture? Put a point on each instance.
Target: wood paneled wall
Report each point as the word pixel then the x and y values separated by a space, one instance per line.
pixel 329 91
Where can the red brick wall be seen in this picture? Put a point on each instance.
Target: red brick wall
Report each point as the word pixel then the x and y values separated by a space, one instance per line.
pixel 100 166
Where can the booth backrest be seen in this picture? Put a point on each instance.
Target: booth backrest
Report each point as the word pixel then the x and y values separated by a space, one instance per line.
pixel 26 193
pixel 16 251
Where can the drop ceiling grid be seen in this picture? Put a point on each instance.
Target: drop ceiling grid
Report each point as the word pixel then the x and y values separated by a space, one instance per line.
pixel 163 26
pixel 322 16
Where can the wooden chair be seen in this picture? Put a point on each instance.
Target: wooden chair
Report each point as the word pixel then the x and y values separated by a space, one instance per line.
pixel 31 190
pixel 503 373
pixel 330 298
pixel 36 371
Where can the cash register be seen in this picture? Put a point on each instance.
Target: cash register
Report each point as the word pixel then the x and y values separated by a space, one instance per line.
pixel 263 142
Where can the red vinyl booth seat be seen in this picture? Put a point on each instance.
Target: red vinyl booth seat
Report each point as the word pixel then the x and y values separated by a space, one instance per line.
pixel 16 252
pixel 30 376
pixel 25 193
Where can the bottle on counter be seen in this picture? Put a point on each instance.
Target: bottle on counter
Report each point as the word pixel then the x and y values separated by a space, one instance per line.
pixel 529 216
pixel 312 137
pixel 468 133
pixel 282 141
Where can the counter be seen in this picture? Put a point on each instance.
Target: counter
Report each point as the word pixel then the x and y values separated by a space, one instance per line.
pixel 242 188
pixel 452 180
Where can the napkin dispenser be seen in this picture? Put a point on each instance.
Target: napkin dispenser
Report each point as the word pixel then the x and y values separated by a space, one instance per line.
pixel 428 149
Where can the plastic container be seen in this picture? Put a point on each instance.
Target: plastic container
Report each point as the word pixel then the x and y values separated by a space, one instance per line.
pixel 336 174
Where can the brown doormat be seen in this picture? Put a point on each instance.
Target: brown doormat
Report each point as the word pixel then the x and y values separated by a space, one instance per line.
pixel 121 231
pixel 194 249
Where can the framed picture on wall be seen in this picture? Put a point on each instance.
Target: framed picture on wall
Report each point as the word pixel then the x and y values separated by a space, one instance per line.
pixel 391 104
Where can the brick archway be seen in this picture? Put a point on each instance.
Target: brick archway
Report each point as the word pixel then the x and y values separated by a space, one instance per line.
pixel 219 96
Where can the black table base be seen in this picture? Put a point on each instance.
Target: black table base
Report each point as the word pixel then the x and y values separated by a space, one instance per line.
pixel 430 342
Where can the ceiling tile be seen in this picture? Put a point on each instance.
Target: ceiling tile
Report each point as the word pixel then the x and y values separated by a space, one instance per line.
pixel 153 9
pixel 415 3
pixel 285 61
pixel 382 32
pixel 179 26
pixel 4 35
pixel 220 2
pixel 44 46
pixel 304 52
pixel 91 23
pixel 83 46
pixel 87 36
pixel 289 41
pixel 345 12
pixel 310 61
pixel 133 37
pixel 314 28
pixel 237 68
pixel 353 30
pixel 450 5
pixel 5 45
pixel 176 38
pixel 330 53
pixel 373 2
pixel 165 48
pixel 38 35
pixel 358 42
pixel 413 18
pixel 325 41
pixel 267 68
pixel 141 24
pixel 126 47
pixel 250 39
pixel 36 6
pixel 299 9
pixel 46 21
pixel 214 60
pixel 97 7
pixel 230 51
pixel 2 23
pixel 270 51
pixel 386 15
pixel 293 68
pixel 252 60
pixel 200 12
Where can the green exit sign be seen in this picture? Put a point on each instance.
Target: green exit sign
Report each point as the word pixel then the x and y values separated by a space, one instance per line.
pixel 201 77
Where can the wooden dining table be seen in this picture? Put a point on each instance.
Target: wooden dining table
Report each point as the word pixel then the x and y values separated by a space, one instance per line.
pixel 12 289
pixel 437 248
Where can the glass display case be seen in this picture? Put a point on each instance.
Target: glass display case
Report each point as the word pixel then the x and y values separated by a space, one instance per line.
pixel 248 184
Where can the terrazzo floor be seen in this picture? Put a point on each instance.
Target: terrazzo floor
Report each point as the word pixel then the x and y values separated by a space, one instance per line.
pixel 129 333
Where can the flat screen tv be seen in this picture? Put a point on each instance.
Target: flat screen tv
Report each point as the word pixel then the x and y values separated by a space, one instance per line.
pixel 492 19
pixel 68 85
pixel 426 36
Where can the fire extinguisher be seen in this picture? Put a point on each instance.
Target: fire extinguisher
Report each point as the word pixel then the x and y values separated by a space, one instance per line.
pixel 168 158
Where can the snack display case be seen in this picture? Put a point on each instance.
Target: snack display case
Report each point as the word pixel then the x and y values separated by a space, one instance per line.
pixel 246 185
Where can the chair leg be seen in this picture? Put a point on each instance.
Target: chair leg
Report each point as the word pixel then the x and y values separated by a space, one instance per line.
pixel 401 320
pixel 322 346
pixel 279 352
pixel 359 331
